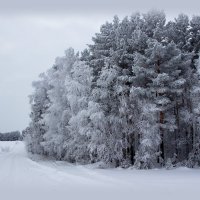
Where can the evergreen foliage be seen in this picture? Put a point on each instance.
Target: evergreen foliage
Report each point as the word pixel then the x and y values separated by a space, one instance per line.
pixel 130 99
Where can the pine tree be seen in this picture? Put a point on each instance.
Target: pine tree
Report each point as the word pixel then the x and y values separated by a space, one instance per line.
pixel 178 32
pixel 194 117
pixel 159 72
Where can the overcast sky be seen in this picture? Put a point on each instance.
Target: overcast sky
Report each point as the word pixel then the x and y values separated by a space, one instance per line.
pixel 33 33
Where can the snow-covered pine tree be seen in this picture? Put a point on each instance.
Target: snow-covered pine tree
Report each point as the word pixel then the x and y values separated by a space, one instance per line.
pixel 160 69
pixel 194 118
pixel 178 31
pixel 194 34
pixel 104 43
pixel 153 24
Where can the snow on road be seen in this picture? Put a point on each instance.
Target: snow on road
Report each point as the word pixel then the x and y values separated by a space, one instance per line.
pixel 24 179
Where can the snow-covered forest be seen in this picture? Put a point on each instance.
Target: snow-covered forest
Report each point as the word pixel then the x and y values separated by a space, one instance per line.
pixel 130 99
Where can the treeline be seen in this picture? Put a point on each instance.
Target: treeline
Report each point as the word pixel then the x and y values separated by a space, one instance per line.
pixel 130 99
pixel 10 136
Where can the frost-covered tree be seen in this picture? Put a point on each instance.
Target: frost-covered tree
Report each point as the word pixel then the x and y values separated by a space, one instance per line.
pixel 194 34
pixel 153 24
pixel 194 117
pixel 56 115
pixel 67 118
pixel 159 72
pixel 39 104
pixel 178 31
pixel 104 122
pixel 78 86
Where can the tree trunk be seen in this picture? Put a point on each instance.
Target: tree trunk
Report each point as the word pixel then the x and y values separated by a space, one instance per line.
pixel 162 135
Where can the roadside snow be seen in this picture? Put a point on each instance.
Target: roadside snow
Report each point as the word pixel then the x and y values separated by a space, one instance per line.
pixel 24 179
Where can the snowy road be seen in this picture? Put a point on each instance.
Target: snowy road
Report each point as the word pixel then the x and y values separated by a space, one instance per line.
pixel 21 178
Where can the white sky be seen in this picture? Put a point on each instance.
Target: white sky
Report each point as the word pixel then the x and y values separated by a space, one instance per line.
pixel 32 34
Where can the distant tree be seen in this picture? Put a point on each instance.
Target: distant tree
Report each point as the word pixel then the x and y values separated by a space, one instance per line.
pixel 10 136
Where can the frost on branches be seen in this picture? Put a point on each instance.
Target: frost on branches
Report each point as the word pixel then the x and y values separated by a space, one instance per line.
pixel 130 99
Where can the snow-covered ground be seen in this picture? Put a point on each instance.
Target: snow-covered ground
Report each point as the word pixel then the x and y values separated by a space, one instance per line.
pixel 24 179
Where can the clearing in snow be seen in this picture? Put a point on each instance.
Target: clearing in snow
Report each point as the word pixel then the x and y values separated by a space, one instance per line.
pixel 22 178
